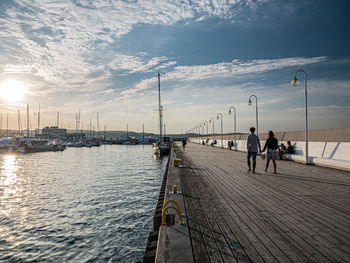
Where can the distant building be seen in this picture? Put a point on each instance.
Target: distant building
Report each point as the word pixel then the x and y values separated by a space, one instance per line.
pixel 53 132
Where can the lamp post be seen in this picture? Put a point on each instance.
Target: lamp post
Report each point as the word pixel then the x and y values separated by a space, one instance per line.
pixel 256 111
pixel 212 120
pixel 217 117
pixel 295 82
pixel 206 125
pixel 200 125
pixel 234 121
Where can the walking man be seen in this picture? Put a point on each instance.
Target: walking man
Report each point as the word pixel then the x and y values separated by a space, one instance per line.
pixel 253 147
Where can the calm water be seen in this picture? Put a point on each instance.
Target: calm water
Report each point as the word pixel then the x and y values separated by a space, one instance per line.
pixel 79 205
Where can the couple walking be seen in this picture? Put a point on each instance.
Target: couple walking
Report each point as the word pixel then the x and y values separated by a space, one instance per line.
pixel 253 145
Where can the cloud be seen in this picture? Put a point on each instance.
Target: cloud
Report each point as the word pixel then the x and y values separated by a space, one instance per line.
pixel 133 64
pixel 237 67
pixel 319 109
pixel 60 41
pixel 228 70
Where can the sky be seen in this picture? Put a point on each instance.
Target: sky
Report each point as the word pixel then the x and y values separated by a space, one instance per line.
pixel 103 56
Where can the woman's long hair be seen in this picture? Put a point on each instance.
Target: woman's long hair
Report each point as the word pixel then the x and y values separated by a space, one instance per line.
pixel 271 134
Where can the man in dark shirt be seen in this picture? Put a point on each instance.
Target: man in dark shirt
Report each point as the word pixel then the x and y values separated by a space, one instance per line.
pixel 290 148
pixel 253 146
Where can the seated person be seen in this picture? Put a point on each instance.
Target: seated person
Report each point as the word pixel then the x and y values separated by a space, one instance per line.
pixel 281 150
pixel 290 148
pixel 229 145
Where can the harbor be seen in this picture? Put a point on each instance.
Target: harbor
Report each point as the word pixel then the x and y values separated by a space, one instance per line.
pixel 174 131
pixel 299 215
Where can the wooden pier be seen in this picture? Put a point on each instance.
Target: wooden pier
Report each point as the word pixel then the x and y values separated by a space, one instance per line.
pixel 302 214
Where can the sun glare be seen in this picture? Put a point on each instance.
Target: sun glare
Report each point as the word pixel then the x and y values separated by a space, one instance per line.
pixel 12 90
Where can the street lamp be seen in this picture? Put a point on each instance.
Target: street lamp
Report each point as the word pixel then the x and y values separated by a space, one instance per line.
pixel 234 120
pixel 200 125
pixel 206 125
pixel 217 117
pixel 295 82
pixel 256 111
pixel 198 132
pixel 210 120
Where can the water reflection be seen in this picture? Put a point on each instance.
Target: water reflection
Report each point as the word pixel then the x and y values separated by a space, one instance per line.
pixel 8 170
pixel 98 202
pixel 8 183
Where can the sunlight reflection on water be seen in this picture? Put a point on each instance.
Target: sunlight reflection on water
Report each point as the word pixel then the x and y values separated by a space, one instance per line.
pixel 78 205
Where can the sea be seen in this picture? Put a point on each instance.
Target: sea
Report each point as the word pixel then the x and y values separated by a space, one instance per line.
pixel 80 205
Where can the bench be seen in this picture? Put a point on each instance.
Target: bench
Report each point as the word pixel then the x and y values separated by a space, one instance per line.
pixel 328 154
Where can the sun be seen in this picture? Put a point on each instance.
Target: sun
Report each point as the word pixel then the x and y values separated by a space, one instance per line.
pixel 12 90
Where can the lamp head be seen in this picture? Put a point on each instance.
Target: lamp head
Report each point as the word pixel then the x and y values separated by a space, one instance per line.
pixel 210 121
pixel 295 81
pixel 229 112
pixel 217 117
pixel 249 103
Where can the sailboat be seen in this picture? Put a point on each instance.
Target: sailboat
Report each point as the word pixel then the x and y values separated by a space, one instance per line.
pixel 162 146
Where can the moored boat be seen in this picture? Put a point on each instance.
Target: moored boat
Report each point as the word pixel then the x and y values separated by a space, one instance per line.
pixel 32 145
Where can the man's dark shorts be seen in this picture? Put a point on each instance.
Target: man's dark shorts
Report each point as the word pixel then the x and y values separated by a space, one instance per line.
pixel 252 154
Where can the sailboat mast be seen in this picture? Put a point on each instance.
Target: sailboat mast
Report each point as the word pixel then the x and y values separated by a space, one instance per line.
pixel 19 122
pixel 160 111
pixel 98 123
pixel 27 119
pixel 39 118
pixel 7 124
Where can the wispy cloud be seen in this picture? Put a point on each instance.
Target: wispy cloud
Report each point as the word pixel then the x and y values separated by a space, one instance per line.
pixel 133 64
pixel 229 69
pixel 318 109
pixel 237 67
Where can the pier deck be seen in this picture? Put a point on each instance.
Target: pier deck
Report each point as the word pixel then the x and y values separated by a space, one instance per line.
pixel 302 214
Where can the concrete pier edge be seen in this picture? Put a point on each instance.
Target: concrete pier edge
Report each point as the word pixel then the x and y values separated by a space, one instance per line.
pixel 151 246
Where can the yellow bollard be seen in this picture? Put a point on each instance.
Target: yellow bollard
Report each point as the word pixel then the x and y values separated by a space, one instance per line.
pixel 174 188
pixel 181 222
pixel 176 162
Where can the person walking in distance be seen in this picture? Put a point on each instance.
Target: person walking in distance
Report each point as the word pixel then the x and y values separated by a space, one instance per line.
pixel 271 145
pixel 253 147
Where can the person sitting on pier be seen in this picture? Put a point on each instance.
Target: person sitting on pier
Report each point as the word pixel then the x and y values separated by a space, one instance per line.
pixel 281 150
pixel 229 145
pixel 290 148
pixel 253 145
pixel 272 145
